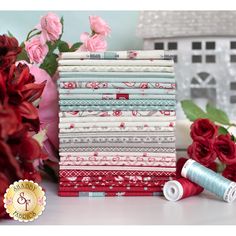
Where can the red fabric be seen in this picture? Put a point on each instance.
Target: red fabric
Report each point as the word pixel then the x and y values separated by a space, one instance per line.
pixel 113 189
pixel 113 178
pixel 114 183
pixel 111 194
pixel 75 173
pixel 122 96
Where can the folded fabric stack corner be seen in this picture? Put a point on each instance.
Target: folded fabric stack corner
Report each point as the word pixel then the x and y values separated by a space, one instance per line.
pixel 117 122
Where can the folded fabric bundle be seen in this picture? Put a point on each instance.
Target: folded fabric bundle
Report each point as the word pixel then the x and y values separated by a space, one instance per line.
pixel 111 188
pixel 117 85
pixel 114 76
pixel 108 194
pixel 155 63
pixel 117 91
pixel 120 139
pixel 119 163
pixel 122 108
pixel 121 129
pixel 150 102
pixel 114 178
pixel 116 119
pixel 119 55
pixel 107 183
pixel 118 96
pixel 72 174
pixel 111 68
pixel 117 123
pixel 118 113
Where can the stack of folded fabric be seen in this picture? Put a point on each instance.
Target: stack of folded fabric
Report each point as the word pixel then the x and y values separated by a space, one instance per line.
pixel 117 121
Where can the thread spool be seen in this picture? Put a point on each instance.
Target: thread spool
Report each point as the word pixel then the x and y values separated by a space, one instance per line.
pixel 208 179
pixel 181 188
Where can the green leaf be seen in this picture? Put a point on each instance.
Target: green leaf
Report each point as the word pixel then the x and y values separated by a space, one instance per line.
pixel 192 111
pixel 62 23
pixel 50 64
pixel 220 167
pixel 222 130
pixel 23 56
pixel 10 34
pixel 63 46
pixel 75 46
pixel 217 115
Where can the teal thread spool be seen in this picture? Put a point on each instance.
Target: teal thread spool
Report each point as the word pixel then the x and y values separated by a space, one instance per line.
pixel 209 180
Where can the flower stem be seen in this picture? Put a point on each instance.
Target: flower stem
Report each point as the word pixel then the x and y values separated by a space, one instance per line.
pixel 28 35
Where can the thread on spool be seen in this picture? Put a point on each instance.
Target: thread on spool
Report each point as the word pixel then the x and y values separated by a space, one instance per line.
pixel 208 179
pixel 181 188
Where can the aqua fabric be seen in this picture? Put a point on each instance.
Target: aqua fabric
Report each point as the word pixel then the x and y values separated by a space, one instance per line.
pixel 110 108
pixel 150 102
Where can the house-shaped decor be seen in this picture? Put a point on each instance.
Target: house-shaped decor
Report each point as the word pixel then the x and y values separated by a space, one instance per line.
pixel 203 44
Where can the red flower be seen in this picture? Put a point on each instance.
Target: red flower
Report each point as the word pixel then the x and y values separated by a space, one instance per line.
pixel 230 172
pixel 10 121
pixel 20 154
pixel 225 149
pixel 9 49
pixel 202 151
pixel 8 163
pixel 21 92
pixel 4 184
pixel 203 128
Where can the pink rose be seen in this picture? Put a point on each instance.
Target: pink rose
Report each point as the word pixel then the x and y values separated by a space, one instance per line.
pixel 36 50
pixel 51 27
pixel 96 43
pixel 99 26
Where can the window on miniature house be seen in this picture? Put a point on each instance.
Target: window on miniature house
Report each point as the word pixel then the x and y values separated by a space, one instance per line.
pixel 233 99
pixel 159 46
pixel 210 45
pixel 203 86
pixel 196 45
pixel 196 58
pixel 233 86
pixel 233 58
pixel 233 45
pixel 210 59
pixel 172 46
pixel 175 58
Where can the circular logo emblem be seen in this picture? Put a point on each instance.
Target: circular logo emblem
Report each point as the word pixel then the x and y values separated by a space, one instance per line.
pixel 24 200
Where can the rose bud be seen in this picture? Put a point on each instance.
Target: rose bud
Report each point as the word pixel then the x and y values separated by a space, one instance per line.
pixel 203 128
pixel 225 149
pixel 202 151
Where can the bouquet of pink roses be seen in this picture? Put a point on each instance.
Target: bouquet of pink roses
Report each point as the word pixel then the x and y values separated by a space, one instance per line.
pixel 41 51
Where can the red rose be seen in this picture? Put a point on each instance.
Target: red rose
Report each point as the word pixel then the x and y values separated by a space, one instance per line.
pixel 230 172
pixel 203 128
pixel 202 151
pixel 225 149
pixel 21 92
pixel 10 121
pixel 4 184
pixel 9 49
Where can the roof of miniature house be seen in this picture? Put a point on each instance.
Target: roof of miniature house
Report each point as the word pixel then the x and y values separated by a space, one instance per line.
pixel 166 24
